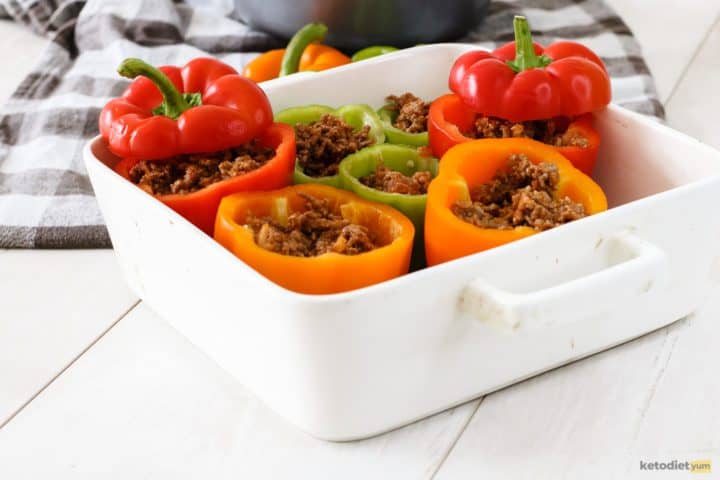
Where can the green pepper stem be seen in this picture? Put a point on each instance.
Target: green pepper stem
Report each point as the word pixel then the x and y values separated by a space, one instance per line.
pixel 525 56
pixel 175 103
pixel 312 32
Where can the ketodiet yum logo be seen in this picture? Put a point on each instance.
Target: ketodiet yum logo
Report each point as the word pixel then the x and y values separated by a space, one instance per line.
pixel 692 466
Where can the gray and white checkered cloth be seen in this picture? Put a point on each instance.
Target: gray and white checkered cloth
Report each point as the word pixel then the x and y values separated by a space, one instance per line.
pixel 46 200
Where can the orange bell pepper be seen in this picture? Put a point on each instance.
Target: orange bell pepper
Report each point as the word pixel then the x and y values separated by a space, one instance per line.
pixel 304 53
pixel 265 66
pixel 473 163
pixel 200 207
pixel 327 273
pixel 315 57
pixel 449 118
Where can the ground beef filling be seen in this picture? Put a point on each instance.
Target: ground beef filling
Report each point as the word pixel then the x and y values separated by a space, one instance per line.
pixel 521 196
pixel 321 145
pixel 188 173
pixel 553 131
pixel 412 112
pixel 312 232
pixel 391 181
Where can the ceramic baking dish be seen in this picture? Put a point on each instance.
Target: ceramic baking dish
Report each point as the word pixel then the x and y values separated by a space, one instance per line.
pixel 356 364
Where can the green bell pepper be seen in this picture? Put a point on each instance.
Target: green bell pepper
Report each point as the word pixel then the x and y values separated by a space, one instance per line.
pixel 398 136
pixel 356 115
pixel 371 52
pixel 401 158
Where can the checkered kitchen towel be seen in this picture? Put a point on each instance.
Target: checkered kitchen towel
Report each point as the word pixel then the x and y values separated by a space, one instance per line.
pixel 46 200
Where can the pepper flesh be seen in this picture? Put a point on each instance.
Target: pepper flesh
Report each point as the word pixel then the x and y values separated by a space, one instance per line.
pixel 449 118
pixel 471 164
pixel 327 273
pixel 200 207
pixel 522 81
pixel 234 110
pixel 356 115
pixel 400 158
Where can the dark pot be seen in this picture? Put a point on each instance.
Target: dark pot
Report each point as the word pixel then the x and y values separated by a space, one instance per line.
pixel 355 24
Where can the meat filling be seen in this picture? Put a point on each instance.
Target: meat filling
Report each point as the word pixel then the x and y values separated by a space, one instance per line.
pixel 521 196
pixel 184 174
pixel 321 145
pixel 412 112
pixel 312 232
pixel 391 181
pixel 553 131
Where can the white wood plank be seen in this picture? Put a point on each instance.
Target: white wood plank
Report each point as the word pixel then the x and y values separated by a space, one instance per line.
pixel 53 305
pixel 26 48
pixel 145 401
pixel 694 105
pixel 669 33
pixel 599 417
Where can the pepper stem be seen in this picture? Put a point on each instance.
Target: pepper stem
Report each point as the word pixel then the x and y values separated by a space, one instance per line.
pixel 525 56
pixel 312 32
pixel 174 103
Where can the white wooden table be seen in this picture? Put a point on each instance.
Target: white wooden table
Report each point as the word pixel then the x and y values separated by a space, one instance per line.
pixel 94 385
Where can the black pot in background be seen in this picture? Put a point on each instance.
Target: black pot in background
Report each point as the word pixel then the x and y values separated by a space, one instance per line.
pixel 354 24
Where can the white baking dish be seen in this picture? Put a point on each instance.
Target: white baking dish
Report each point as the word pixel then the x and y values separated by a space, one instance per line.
pixel 356 364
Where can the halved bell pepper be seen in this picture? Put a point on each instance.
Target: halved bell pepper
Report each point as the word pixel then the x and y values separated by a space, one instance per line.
pixel 200 207
pixel 301 55
pixel 401 158
pixel 449 117
pixel 398 136
pixel 356 116
pixel 471 164
pixel 329 272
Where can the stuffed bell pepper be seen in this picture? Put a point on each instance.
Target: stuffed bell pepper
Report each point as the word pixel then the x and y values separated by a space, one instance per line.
pixel 395 175
pixel 405 120
pixel 492 192
pixel 325 137
pixel 315 239
pixel 523 90
pixel 191 135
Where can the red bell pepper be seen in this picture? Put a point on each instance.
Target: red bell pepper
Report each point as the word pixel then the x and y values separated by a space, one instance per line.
pixel 449 118
pixel 204 106
pixel 200 207
pixel 522 81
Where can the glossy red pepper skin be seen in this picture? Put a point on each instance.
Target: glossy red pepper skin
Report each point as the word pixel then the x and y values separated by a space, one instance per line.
pixel 234 110
pixel 449 117
pixel 200 207
pixel 522 81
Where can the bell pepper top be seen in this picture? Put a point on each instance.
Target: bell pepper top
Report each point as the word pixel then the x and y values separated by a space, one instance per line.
pixel 204 106
pixel 471 164
pixel 303 53
pixel 565 79
pixel 329 272
pixel 312 32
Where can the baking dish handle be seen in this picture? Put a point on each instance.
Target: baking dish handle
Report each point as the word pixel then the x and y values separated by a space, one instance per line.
pixel 644 270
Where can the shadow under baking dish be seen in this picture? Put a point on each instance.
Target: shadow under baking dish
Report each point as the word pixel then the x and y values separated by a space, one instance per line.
pixel 355 364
